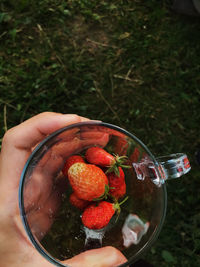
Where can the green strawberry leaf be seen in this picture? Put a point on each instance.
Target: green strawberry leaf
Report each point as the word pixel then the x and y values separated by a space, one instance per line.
pixel 118 162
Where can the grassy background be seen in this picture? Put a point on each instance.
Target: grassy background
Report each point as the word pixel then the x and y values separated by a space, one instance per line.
pixel 132 63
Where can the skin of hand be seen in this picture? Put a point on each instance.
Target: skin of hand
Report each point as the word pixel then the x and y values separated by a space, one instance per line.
pixel 15 248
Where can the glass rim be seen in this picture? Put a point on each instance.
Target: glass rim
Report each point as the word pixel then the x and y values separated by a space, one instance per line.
pixel 35 243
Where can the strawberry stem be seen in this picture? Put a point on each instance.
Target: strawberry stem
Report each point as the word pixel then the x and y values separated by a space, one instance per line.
pixel 124 200
pixel 117 205
pixel 117 162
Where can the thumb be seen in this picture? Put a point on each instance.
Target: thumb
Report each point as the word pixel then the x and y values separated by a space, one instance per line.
pixel 101 257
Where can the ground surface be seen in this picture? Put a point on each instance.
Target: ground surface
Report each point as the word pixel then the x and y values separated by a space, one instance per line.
pixel 132 63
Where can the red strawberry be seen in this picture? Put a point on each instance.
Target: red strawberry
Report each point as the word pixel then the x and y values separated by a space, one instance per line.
pixel 70 161
pixel 119 192
pixel 88 181
pixel 98 156
pixel 101 157
pixel 77 202
pixel 112 176
pixel 117 184
pixel 97 217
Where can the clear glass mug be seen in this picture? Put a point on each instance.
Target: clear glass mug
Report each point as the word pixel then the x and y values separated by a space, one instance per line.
pixel 54 226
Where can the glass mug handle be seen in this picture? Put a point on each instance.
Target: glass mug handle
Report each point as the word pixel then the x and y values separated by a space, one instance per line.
pixel 167 167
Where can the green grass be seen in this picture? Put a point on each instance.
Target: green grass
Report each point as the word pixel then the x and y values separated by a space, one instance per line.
pixel 132 63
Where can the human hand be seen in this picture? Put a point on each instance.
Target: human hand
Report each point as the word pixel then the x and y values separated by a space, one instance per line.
pixel 15 249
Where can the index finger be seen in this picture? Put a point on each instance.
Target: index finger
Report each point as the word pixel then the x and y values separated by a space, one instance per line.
pixel 18 141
